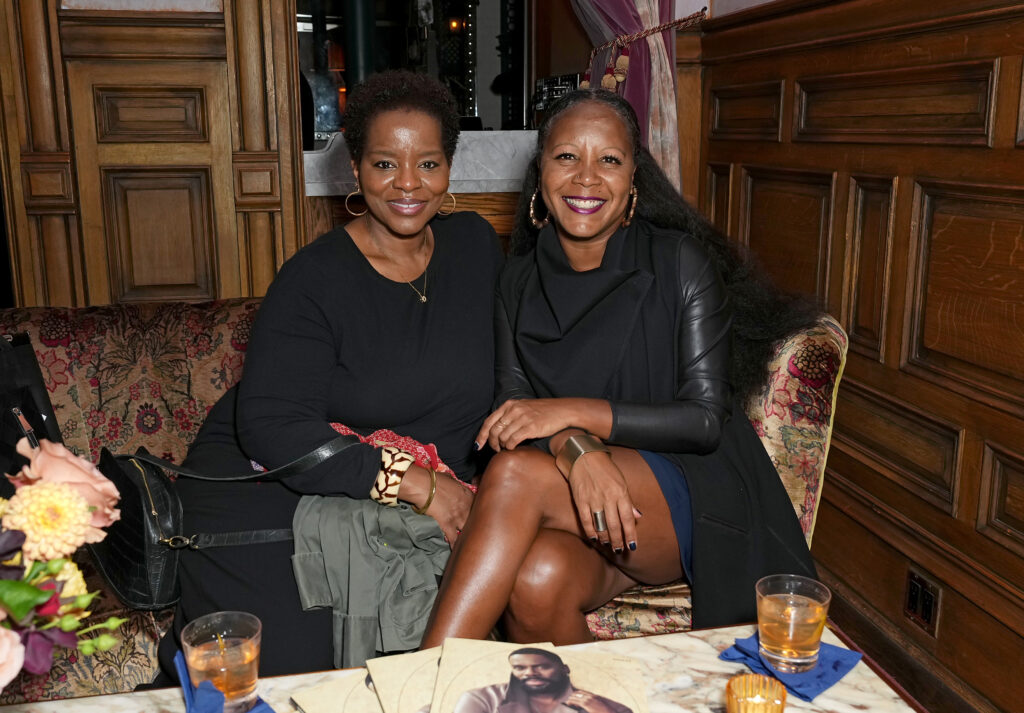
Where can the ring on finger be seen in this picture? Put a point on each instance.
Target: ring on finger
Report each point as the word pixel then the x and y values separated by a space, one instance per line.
pixel 600 524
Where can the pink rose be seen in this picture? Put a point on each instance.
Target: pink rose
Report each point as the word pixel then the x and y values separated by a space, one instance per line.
pixel 54 463
pixel 12 655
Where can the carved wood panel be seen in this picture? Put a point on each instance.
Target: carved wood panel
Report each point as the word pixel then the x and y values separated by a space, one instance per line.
pixel 751 112
pixel 718 196
pixel 946 104
pixel 785 218
pixel 967 321
pixel 911 448
pixel 159 232
pixel 870 244
pixel 151 114
pixel 132 185
pixel 908 126
pixel 43 228
pixel 1001 507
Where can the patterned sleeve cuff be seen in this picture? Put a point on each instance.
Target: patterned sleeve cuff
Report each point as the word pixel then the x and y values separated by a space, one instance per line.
pixel 393 465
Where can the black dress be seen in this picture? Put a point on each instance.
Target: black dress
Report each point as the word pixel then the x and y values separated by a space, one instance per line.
pixel 335 341
pixel 649 330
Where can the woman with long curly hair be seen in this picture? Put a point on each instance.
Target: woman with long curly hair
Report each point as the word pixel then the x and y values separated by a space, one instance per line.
pixel 628 334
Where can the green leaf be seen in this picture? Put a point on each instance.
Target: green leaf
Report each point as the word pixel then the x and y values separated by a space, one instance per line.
pixel 35 571
pixel 19 598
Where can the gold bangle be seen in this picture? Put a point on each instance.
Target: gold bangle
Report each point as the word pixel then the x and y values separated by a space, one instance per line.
pixel 430 498
pixel 576 446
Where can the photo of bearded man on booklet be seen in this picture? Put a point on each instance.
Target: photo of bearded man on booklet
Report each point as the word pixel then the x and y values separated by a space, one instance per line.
pixel 539 683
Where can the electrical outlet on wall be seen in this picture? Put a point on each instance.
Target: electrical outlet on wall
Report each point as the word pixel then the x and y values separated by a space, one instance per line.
pixel 921 601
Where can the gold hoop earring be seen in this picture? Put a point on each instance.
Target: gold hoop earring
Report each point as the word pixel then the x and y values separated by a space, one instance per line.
pixel 538 224
pixel 351 212
pixel 455 204
pixel 632 207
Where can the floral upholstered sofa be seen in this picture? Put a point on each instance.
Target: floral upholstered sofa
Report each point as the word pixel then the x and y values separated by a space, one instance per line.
pixel 130 375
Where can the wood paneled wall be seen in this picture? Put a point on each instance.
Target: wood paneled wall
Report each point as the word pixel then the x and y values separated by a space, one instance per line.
pixel 149 155
pixel 872 153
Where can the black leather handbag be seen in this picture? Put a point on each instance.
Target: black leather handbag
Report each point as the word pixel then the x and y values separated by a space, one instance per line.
pixel 139 556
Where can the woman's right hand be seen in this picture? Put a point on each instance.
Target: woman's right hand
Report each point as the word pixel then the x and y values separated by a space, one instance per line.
pixel 451 503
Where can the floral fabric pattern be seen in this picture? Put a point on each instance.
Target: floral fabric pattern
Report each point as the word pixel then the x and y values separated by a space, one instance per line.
pixel 120 377
pixel 124 376
pixel 793 417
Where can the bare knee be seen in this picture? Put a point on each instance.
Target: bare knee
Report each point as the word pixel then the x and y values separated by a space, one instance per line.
pixel 521 473
pixel 548 586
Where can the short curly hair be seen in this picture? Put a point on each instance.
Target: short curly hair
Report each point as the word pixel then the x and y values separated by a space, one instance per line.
pixel 399 89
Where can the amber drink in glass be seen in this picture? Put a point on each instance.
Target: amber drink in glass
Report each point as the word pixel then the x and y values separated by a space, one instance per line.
pixel 224 648
pixel 791 613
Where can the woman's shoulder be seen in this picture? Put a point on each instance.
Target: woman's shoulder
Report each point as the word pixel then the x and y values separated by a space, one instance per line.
pixel 673 248
pixel 515 273
pixel 464 224
pixel 315 266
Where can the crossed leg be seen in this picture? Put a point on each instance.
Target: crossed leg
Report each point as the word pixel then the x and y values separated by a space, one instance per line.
pixel 523 553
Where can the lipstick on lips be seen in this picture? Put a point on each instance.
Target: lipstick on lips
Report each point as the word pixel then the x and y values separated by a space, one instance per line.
pixel 407 206
pixel 584 205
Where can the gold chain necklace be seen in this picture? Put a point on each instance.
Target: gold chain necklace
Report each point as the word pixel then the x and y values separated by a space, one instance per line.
pixel 422 295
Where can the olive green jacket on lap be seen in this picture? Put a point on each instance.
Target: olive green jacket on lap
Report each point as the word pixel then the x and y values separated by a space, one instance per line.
pixel 377 567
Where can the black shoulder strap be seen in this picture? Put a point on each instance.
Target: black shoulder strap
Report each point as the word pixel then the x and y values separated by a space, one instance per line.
pixel 312 459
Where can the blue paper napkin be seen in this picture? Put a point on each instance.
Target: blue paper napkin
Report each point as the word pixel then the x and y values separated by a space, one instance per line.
pixel 834 662
pixel 206 698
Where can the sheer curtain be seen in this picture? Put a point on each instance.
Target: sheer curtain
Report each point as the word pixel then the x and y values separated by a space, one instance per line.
pixel 650 81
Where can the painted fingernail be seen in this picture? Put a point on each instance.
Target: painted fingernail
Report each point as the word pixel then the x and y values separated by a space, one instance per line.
pixel 617 550
pixel 476 446
pixel 632 546
pixel 594 538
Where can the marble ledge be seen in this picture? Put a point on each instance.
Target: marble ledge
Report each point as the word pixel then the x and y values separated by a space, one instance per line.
pixel 682 671
pixel 484 162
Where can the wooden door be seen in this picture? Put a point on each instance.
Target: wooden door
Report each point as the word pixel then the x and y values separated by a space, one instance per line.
pixel 153 159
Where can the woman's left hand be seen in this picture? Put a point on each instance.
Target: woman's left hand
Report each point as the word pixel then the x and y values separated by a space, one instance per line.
pixel 598 485
pixel 517 420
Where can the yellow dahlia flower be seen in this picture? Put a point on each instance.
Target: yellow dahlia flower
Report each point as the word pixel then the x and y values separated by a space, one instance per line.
pixel 54 518
pixel 74 585
pixel 3 506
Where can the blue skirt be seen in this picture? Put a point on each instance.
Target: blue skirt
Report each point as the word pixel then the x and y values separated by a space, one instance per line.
pixel 677 495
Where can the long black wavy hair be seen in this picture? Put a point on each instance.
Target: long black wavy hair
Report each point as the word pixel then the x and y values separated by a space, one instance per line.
pixel 762 314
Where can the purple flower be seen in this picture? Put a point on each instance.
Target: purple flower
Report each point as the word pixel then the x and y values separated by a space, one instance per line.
pixel 10 544
pixel 39 647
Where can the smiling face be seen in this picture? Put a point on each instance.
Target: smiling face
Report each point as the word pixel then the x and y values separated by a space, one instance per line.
pixel 586 172
pixel 403 174
pixel 539 674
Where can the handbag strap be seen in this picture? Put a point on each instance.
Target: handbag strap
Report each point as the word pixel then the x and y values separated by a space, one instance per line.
pixel 301 464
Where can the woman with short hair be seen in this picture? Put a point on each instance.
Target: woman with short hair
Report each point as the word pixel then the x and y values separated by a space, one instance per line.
pixel 385 323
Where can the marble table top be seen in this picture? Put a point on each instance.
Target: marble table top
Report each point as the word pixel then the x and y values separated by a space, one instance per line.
pixel 682 671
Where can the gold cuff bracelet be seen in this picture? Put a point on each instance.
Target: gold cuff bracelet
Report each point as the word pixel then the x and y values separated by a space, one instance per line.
pixel 574 447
